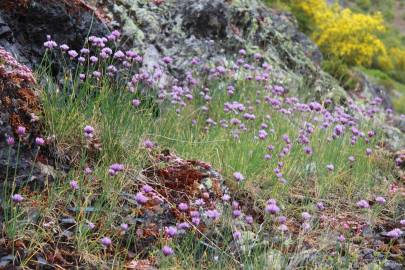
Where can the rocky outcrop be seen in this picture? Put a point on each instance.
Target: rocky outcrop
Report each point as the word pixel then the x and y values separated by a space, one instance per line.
pixel 20 159
pixel 24 25
pixel 213 30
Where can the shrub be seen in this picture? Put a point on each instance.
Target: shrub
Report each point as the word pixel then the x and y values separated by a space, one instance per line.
pixel 343 34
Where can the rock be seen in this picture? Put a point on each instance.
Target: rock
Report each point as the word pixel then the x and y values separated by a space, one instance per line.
pixel 392 265
pixel 24 25
pixel 214 30
pixel 19 106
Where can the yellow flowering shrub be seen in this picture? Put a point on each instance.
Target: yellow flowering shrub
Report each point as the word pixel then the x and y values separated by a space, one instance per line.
pixel 343 34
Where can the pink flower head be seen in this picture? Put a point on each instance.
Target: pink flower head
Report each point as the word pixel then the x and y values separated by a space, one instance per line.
pixel 124 227
pixel 21 131
pixel 171 231
pixel 305 216
pixel 272 209
pixel 380 200
pixel 330 167
pixel 148 144
pixel 140 198
pixel 17 198
pixel 74 185
pixel 136 103
pixel 237 235
pixel 106 241
pixel 363 204
pixel 341 238
pixel 39 141
pixel 183 207
pixel 395 233
pixel 167 251
pixel 10 140
pixel 72 54
pixel 238 176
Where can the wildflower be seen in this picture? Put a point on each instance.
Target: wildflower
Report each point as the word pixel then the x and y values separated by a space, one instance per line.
pixel 196 220
pixel 88 132
pixel 148 144
pixel 50 44
pixel 84 51
pixel 183 207
pixel 82 76
pixel 72 54
pixel 395 233
pixel 351 159
pixel 236 213
pixel 308 150
pixel 380 200
pixel 136 103
pixel 10 141
pixel 281 219
pixel 91 225
pixel 167 60
pixel 119 54
pixel 320 206
pixel 306 226
pixel 124 227
pixel 237 235
pixel 140 198
pixel 402 222
pixel 88 171
pixel 106 241
pixel 93 59
pixel 368 151
pixel 330 167
pixel 39 141
pixel 171 231
pixel 226 197
pixel 147 188
pixel 213 214
pixel 341 238
pixel 64 47
pixel 167 251
pixel 283 228
pixel 17 198
pixel 363 204
pixel 73 184
pixel 238 176
pixel 242 52
pixel 306 216
pixel 272 209
pixel 183 226
pixel 96 74
pixel 21 131
pixel 235 205
pixel 249 219
pixel 199 202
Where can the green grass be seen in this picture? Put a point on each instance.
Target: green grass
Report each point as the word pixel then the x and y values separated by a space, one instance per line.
pixel 121 130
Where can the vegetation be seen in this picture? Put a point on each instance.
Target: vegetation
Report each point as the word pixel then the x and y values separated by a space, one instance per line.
pixel 311 175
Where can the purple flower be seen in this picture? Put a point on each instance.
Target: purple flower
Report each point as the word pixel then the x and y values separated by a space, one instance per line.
pixel 148 144
pixel 50 44
pixel 10 140
pixel 39 141
pixel 351 158
pixel 124 227
pixel 183 207
pixel 72 54
pixel 363 204
pixel 237 235
pixel 395 233
pixel 88 132
pixel 146 188
pixel 17 198
pixel 283 228
pixel 167 251
pixel 305 216
pixel 119 54
pixel 402 222
pixel 236 213
pixel 341 238
pixel 88 171
pixel 272 209
pixel 212 214
pixel 93 59
pixel 82 76
pixel 74 185
pixel 136 103
pixel 96 74
pixel 320 206
pixel 380 200
pixel 226 197
pixel 281 219
pixel 64 47
pixel 368 151
pixel 167 60
pixel 249 219
pixel 106 241
pixel 330 167
pixel 242 52
pixel 196 220
pixel 21 131
pixel 238 176
pixel 140 198
pixel 171 231
pixel 91 225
